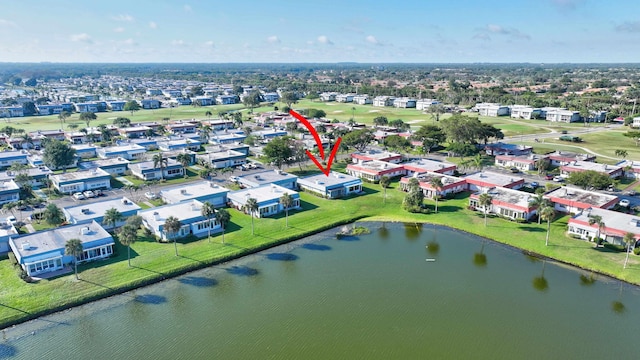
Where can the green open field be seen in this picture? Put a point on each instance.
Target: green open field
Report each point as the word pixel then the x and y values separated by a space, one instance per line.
pixel 604 142
pixel 153 261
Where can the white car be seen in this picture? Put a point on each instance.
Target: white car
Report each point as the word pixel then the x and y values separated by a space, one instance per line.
pixel 78 196
pixel 624 203
pixel 233 179
pixel 150 195
pixel 89 194
pixel 558 179
pixel 11 220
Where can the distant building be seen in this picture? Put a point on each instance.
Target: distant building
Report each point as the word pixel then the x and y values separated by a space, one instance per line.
pixel 491 109
pixel 429 165
pixel 9 192
pixel 520 162
pixel 484 180
pixel 147 171
pixel 611 171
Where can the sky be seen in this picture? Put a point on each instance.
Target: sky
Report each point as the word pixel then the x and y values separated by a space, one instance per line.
pixel 307 31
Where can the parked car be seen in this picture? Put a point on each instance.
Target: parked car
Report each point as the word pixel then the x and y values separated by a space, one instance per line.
pixel 514 170
pixel 150 195
pixel 98 192
pixel 11 220
pixel 558 179
pixel 548 177
pixel 534 184
pixel 631 193
pixel 624 203
pixel 78 196
pixel 89 194
pixel 233 179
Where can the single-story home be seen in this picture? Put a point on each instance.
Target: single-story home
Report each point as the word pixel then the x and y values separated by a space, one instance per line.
pixel 86 213
pixel 8 158
pixel 616 225
pixel 568 199
pixel 521 162
pixel 334 186
pixel 126 151
pixel 82 180
pixel 611 171
pixel 373 170
pixel 277 177
pixel 513 204
pixel 450 184
pixel 268 198
pixel 114 166
pixel 190 215
pixel 147 171
pixel 203 191
pixel 429 165
pixel 385 156
pixel 484 180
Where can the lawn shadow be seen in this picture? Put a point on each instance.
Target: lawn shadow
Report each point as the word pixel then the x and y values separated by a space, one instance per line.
pixel 242 271
pixel 149 270
pixel 198 281
pixel 282 257
pixel 150 299
pixel 96 284
pixel 7 351
pixel 447 208
pixel 531 229
pixel 317 247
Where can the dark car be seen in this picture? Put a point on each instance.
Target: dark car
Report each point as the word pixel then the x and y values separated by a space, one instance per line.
pixel 534 184
pixel 548 177
pixel 514 170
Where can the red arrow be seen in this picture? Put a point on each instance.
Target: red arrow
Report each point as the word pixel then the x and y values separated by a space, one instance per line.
pixel 312 130
pixel 326 171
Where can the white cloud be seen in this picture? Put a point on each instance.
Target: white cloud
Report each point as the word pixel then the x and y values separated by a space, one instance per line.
pixel 568 4
pixel 81 38
pixel 372 40
pixel 629 26
pixel 178 42
pixel 497 29
pixel 273 39
pixel 187 8
pixel 123 17
pixel 209 43
pixel 118 29
pixel 309 42
pixel 153 25
pixel 130 42
pixel 7 23
pixel 323 39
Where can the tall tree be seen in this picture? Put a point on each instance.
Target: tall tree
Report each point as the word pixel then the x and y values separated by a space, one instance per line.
pixel 58 154
pixel 223 216
pixel 286 200
pixel 160 162
pixel 629 239
pixel 73 247
pixel 171 226
pixel 251 207
pixel 185 160
pixel 112 217
pixel 289 98
pixel 539 201
pixel 279 151
pixel 547 213
pixel 380 121
pixel 131 106
pixel 358 139
pixel 52 215
pixel 87 117
pixel 622 153
pixel 122 122
pixel 430 136
pixel 252 100
pixel 63 117
pixel 209 212
pixel 485 201
pixel 128 235
pixel 436 184
pixel 385 181
pixel 208 114
pixel 597 220
pixel 205 133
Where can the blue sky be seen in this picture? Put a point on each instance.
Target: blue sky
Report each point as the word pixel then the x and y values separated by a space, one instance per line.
pixel 424 31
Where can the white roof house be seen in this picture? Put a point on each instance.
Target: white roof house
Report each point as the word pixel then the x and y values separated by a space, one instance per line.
pixel 267 196
pixel 203 191
pixel 616 225
pixel 189 213
pixel 86 213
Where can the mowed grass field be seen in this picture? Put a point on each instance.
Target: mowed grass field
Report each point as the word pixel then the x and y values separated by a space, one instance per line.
pixel 152 261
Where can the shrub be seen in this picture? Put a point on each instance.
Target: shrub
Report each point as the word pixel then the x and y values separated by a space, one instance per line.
pixel 636 251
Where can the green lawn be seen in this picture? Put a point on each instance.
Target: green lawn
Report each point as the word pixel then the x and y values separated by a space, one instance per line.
pixel 153 261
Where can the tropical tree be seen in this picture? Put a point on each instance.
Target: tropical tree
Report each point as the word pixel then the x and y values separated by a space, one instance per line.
pixel 485 200
pixel 539 201
pixel 413 200
pixel 185 160
pixel 87 117
pixel 62 117
pixel 52 215
pixel 279 151
pixel 58 154
pixel 160 162
pixel 205 133
pixel 289 98
pixel 122 122
pixel 380 121
pixel 547 213
pixel 436 184
pixel 208 211
pixel 223 217
pixel 128 235
pixel 629 239
pixel 287 201
pixel 250 207
pixel 135 221
pixel 622 153
pixel 477 162
pixel 132 106
pixel 384 183
pixel 172 225
pixel 112 217
pixel 597 220
pixel 73 247
pixel 72 126
pixel 208 114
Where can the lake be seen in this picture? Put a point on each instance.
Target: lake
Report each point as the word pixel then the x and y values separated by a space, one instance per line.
pixel 405 291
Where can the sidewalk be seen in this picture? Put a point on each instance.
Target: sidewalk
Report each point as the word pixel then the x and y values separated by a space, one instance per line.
pixel 30 228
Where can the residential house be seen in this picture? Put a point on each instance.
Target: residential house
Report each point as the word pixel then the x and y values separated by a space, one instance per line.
pixel 381 101
pixel 268 198
pixel 425 104
pixel 525 112
pixel 135 132
pixel 500 148
pixel 154 125
pixel 615 225
pixel 82 137
pixel 635 123
pixel 150 143
pixel 87 213
pixel 85 151
pixel 492 109
pixel 450 184
pixel 509 203
pixel 9 192
pixel 611 171
pixel 87 107
pixel 227 137
pixel 227 99
pixel 36 175
pixel 11 111
pixel 150 104
pixel 174 144
pixel 81 180
pixel 344 98
pixel 203 191
pixel 35 160
pixel 117 105
pixel 189 213
pixel 572 200
pixel 328 96
pixel 219 124
pixel 44 251
pixel 404 102
pixel 125 151
pixel 429 165
pixel 48 134
pixel 182 127
pixel 562 115
pixel 7 230
pixel 268 135
pixel 559 158
pixel 242 148
pixel 223 159
pixel 267 177
pixel 8 158
pixel 386 156
pixel 521 162
pixel 373 170
pixel 271 97
pixel 113 166
pixel 484 180
pixel 147 171
pixel 334 186
pixel 362 99
pixel 172 93
pixel 49 109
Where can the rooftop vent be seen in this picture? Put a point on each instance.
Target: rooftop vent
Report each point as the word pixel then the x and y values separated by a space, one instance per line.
pixel 183 191
pixel 85 211
pixel 26 246
pixel 85 231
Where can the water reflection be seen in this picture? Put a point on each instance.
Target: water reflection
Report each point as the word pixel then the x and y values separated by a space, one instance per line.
pixel 480 258
pixel 282 257
pixel 412 231
pixel 7 351
pixel 617 306
pixel 242 270
pixel 587 280
pixel 151 299
pixel 383 232
pixel 198 281
pixel 540 282
pixel 317 247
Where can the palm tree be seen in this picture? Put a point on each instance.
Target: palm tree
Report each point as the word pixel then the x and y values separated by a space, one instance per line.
pixel 485 200
pixel 597 219
pixel 112 217
pixel 52 215
pixel 622 153
pixel 384 183
pixel 250 207
pixel 159 161
pixel 629 239
pixel 286 200
pixel 73 247
pixel 205 133
pixel 185 160
pixel 436 184
pixel 208 114
pixel 172 225
pixel 477 162
pixel 547 213
pixel 127 236
pixel 208 211
pixel 539 202
pixel 223 217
